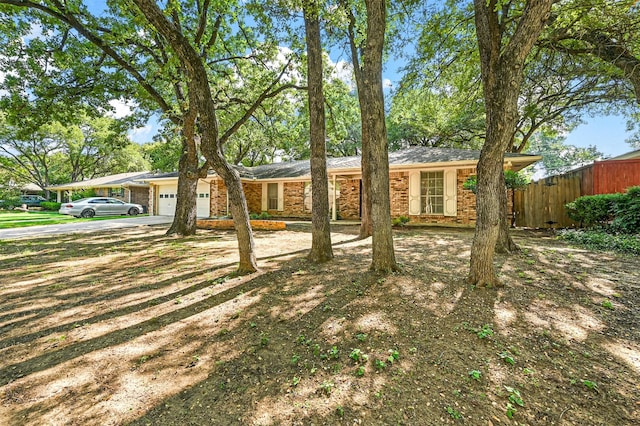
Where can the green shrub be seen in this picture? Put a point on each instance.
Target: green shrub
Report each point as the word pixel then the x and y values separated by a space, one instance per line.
pixel 400 221
pixel 83 194
pixel 9 202
pixel 591 210
pixel 513 180
pixel 264 215
pixel 627 212
pixel 600 240
pixel 50 206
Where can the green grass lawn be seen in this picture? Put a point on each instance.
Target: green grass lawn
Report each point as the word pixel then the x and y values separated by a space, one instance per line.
pixel 20 219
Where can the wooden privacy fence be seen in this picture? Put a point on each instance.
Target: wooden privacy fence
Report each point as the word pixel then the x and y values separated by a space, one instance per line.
pixel 541 203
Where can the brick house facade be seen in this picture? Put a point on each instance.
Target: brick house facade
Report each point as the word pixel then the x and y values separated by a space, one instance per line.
pixel 425 184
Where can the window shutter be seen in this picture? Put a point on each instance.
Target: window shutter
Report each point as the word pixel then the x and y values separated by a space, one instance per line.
pixel 264 197
pixel 280 196
pixel 414 193
pixel 451 192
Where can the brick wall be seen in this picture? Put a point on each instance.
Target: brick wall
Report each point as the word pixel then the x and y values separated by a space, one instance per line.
pixel 139 195
pixel 399 193
pixel 293 201
pixel 349 201
pixel 218 198
pixel 253 194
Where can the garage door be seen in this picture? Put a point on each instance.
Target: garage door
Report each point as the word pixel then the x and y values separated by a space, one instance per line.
pixel 167 200
pixel 202 202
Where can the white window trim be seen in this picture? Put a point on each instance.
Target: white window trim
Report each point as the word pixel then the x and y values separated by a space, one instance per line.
pixel 450 182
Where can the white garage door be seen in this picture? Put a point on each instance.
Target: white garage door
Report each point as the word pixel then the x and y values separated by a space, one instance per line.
pixel 202 202
pixel 167 200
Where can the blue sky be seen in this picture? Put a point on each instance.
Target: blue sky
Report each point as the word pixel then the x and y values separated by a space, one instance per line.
pixel 607 133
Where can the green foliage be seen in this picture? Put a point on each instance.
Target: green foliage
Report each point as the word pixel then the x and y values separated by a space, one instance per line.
pixel 261 216
pixel 601 240
pixel 591 210
pixel 50 206
pixel 626 211
pixel 591 385
pixel 513 180
pixel 453 413
pixel 400 221
pixel 559 157
pixel 475 374
pixel 607 304
pixel 485 331
pixel 616 214
pixel 507 357
pixel 85 193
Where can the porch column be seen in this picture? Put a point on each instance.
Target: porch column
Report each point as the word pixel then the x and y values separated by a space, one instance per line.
pixel 59 196
pixel 334 212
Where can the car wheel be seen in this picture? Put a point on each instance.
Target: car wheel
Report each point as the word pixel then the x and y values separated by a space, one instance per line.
pixel 88 213
pixel 133 211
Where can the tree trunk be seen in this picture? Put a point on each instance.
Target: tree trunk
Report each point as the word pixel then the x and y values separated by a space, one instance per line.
pixel 240 214
pixel 184 219
pixel 321 250
pixel 366 224
pixel 502 68
pixel 373 118
pixel 201 101
pixel 505 243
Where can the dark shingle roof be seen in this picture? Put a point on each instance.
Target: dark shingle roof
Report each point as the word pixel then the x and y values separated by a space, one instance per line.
pixel 410 156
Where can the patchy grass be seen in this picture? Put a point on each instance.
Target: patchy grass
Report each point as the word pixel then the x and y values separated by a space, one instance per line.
pixel 142 328
pixel 19 219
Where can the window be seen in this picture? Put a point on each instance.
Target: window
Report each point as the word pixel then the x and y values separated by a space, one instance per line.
pixel 432 192
pixel 116 192
pixel 272 196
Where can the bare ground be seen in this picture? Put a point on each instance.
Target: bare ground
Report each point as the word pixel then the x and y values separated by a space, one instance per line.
pixel 134 327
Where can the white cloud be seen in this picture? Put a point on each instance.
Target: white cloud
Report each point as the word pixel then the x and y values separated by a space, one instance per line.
pixel 386 83
pixel 342 70
pixel 121 108
pixel 142 134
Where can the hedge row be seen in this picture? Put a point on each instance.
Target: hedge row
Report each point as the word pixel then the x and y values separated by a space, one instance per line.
pixel 619 212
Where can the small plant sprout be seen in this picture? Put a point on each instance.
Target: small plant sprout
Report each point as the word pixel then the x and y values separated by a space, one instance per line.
pixel 485 331
pixel 514 396
pixel 511 410
pixel 455 414
pixel 475 374
pixel 326 387
pixel 295 359
pixel 394 355
pixel 527 371
pixel 340 411
pixel 380 365
pixel 334 353
pixel 591 385
pixel 295 381
pixel 607 304
pixel 264 339
pixel 360 371
pixel 507 357
pixel 361 337
pixel 356 355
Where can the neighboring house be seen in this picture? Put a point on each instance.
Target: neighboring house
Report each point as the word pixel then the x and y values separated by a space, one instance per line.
pixel 128 187
pixel 425 185
pixel 542 203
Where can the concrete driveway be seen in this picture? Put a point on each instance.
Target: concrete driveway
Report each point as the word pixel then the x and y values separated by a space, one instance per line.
pixel 92 226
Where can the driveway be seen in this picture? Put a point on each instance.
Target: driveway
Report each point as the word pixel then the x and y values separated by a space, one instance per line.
pixel 98 225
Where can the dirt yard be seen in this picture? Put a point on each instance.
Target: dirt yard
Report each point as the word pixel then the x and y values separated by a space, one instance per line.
pixel 132 327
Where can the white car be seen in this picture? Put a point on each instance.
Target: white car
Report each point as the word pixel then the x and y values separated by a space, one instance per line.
pixel 99 206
